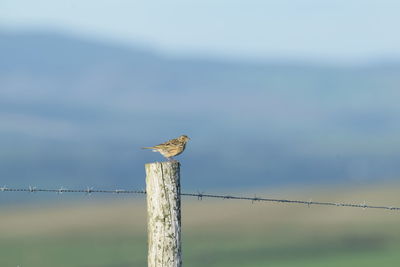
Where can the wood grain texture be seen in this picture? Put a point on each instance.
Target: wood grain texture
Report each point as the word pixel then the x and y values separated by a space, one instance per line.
pixel 164 214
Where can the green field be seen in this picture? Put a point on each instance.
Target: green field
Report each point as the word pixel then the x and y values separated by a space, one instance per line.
pixel 215 233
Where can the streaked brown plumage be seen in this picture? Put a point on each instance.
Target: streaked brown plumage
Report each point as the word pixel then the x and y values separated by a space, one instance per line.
pixel 172 147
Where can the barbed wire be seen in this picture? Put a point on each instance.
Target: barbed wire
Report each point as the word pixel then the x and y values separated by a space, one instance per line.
pixel 199 196
pixel 89 190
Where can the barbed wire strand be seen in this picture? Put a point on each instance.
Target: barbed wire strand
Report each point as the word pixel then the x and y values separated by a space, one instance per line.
pixel 199 196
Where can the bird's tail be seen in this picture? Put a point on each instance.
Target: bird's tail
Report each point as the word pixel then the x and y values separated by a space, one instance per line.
pixel 148 147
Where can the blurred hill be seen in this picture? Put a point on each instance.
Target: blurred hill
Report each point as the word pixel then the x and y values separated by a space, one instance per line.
pixel 75 112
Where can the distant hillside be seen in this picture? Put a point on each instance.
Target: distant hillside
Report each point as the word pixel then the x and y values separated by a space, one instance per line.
pixel 75 113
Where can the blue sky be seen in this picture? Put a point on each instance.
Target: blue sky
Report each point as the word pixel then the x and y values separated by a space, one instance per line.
pixel 341 30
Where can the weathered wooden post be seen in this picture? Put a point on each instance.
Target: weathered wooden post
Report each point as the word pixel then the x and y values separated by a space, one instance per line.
pixel 164 214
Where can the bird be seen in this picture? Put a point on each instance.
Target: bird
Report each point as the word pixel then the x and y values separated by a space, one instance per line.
pixel 171 148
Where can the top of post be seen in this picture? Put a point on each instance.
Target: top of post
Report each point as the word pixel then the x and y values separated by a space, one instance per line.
pixel 174 163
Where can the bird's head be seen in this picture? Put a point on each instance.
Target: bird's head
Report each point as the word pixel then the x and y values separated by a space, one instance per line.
pixel 184 138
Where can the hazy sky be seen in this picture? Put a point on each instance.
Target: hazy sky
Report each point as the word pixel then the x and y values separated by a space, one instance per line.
pixel 344 30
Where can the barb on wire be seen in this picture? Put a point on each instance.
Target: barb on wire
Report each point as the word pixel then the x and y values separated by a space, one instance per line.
pixel 309 203
pixel 89 191
pixel 255 198
pixel 199 196
pixel 61 190
pixel 32 189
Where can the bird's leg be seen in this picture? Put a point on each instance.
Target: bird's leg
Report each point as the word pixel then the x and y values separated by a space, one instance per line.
pixel 171 159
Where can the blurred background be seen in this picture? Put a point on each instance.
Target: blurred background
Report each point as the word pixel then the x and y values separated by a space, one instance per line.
pixel 288 99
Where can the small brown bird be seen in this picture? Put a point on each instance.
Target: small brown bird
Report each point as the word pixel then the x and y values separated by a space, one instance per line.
pixel 172 147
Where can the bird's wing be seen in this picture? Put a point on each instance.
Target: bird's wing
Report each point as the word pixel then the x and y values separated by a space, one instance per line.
pixel 172 142
pixel 169 143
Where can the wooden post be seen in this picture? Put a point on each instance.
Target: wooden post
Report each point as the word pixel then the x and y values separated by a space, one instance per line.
pixel 164 214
